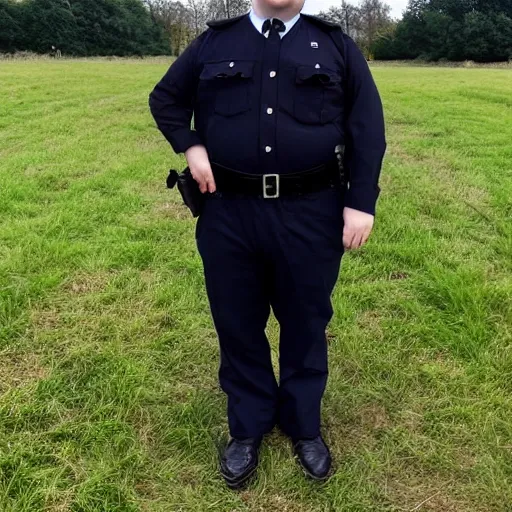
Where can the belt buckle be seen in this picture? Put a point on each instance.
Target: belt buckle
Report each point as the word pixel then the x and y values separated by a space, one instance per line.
pixel 267 186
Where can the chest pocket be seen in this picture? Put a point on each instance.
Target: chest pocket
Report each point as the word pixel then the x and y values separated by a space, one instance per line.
pixel 228 85
pixel 318 95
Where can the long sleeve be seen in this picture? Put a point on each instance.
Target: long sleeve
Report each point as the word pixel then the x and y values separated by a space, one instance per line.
pixel 366 143
pixel 172 100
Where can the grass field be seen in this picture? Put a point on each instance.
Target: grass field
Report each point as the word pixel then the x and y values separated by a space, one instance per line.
pixel 108 389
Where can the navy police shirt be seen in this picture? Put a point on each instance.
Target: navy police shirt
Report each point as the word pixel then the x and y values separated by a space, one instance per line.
pixel 275 106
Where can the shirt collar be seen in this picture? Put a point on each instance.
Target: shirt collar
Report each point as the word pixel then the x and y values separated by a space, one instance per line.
pixel 257 21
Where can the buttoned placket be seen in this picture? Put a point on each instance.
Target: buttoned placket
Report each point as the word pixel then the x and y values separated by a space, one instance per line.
pixel 268 104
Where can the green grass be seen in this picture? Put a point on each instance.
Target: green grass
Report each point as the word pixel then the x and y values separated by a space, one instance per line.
pixel 108 389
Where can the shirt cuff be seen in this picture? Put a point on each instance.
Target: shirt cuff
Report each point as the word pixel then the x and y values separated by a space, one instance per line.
pixel 362 197
pixel 183 139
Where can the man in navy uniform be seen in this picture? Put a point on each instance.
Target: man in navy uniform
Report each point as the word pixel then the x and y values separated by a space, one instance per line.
pixel 275 95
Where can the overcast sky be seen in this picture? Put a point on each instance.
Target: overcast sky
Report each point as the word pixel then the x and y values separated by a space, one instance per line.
pixel 315 6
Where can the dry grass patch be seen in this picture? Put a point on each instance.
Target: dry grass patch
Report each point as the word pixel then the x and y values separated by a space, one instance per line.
pixel 48 319
pixel 373 417
pixel 371 321
pixel 85 283
pixel 18 369
pixel 422 494
pixel 256 502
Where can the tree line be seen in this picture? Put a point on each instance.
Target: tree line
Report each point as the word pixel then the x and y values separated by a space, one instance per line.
pixel 479 30
pixel 365 22
pixel 182 22
pixel 80 27
pixel 147 27
pixel 455 30
pixel 108 27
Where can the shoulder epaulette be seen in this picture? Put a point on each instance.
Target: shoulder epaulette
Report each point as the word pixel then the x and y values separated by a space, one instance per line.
pixel 321 23
pixel 225 23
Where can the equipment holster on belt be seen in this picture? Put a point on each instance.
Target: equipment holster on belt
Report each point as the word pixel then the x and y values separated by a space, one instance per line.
pixel 189 190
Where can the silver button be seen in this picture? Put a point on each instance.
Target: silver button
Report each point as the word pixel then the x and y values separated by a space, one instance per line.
pixel 273 74
pixel 268 149
pixel 317 66
pixel 231 64
pixel 269 111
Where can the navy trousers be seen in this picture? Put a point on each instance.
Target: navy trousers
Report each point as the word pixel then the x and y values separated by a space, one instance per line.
pixel 282 254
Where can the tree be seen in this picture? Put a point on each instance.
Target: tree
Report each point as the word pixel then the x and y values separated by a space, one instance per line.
pixel 479 30
pixel 199 14
pixel 383 47
pixel 11 26
pixel 182 23
pixel 496 6
pixel 363 23
pixel 174 17
pixel 236 7
pixel 347 16
pixel 488 36
pixel 48 23
pixel 373 18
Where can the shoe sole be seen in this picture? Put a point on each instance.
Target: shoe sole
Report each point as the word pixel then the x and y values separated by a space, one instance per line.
pixel 238 484
pixel 310 475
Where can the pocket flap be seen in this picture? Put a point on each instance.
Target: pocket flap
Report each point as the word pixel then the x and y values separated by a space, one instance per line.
pixel 227 69
pixel 314 75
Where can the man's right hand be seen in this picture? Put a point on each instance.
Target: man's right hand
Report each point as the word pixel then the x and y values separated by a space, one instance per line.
pixel 199 165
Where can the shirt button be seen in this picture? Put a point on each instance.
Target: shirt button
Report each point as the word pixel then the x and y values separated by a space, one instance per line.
pixel 269 111
pixel 231 64
pixel 273 74
pixel 268 149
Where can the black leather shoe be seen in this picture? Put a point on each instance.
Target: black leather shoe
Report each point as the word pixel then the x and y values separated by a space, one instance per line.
pixel 314 457
pixel 239 461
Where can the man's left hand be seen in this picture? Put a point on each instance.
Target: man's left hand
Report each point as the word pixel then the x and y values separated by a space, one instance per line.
pixel 357 228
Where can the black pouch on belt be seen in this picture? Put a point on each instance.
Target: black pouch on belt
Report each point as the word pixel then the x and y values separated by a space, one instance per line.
pixel 189 190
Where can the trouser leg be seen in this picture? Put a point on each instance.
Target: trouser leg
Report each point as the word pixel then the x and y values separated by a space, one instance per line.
pixel 237 288
pixel 307 255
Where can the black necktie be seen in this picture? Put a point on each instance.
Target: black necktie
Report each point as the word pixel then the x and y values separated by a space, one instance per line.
pixel 275 25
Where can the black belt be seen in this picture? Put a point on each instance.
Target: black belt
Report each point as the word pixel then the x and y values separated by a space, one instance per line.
pixel 272 186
